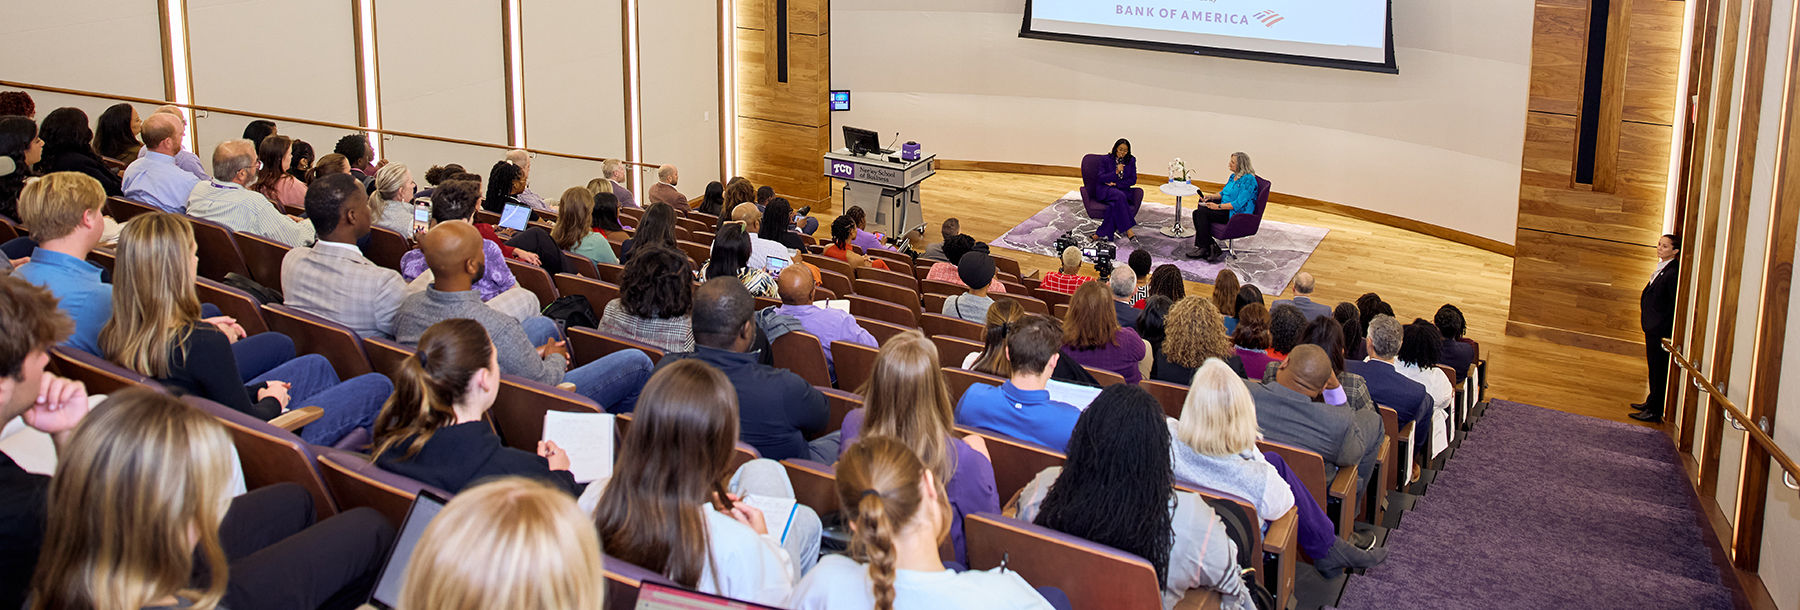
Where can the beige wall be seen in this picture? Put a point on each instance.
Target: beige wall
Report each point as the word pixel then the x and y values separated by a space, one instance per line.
pixel 1438 143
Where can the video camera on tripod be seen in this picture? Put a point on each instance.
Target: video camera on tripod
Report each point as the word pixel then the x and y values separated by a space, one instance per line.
pixel 1101 253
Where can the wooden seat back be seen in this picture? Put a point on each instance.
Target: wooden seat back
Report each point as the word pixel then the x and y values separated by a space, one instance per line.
pixel 1031 304
pixel 892 277
pixel 386 247
pixel 355 483
pixel 802 354
pixel 386 355
pixel 234 303
pixel 960 379
pixel 1052 297
pixel 96 373
pixel 815 485
pixel 882 310
pixel 518 411
pixel 695 250
pixel 853 362
pixel 587 345
pixel 535 279
pixel 1016 461
pixel 882 330
pixel 218 250
pixel 892 293
pixel 1170 396
pixel 952 351
pixel 939 287
pixel 263 257
pixel 1092 575
pixel 839 284
pixel 895 260
pixel 840 403
pixel 1007 264
pixel 123 210
pixel 935 324
pixel 609 272
pixel 826 263
pixel 580 265
pixel 316 335
pixel 271 455
pixel 598 293
pixel 1105 377
pixel 933 303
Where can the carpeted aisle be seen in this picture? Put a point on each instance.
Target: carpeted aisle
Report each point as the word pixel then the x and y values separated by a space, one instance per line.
pixel 1546 509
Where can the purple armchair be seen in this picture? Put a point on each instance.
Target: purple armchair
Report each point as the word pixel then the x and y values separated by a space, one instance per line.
pixel 1093 172
pixel 1243 225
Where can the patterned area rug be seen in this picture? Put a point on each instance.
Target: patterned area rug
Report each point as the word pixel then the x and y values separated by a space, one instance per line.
pixel 1268 259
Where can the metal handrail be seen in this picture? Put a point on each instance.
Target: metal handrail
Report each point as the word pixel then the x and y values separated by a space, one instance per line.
pixel 1736 415
pixel 288 119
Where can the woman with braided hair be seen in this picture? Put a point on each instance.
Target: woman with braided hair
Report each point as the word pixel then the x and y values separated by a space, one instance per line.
pixel 898 516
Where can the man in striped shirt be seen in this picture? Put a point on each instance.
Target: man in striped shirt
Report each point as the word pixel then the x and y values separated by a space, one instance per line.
pixel 227 200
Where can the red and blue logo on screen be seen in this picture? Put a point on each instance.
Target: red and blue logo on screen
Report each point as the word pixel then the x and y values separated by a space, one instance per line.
pixel 1268 18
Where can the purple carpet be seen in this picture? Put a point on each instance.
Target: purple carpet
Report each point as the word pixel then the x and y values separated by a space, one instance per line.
pixel 1268 259
pixel 1546 509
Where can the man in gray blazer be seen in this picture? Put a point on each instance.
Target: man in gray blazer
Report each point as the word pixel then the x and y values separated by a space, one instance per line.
pixel 332 279
pixel 1287 413
pixel 1303 287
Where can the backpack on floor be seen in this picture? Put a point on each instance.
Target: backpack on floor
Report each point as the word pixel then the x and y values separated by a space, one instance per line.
pixel 264 295
pixel 1237 527
pixel 572 310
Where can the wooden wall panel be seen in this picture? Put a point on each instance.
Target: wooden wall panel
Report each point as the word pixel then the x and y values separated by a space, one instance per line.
pixel 1549 150
pixel 1654 62
pixel 805 17
pixel 784 127
pixel 798 101
pixel 1578 284
pixel 1558 50
pixel 780 156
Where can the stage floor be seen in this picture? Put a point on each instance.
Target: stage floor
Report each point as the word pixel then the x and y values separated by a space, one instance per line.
pixel 1416 273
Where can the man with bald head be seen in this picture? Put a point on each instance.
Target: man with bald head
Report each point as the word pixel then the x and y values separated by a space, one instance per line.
pixel 154 178
pixel 667 177
pixel 1303 289
pixel 760 249
pixel 1296 409
pixel 796 288
pixel 453 251
pixel 184 159
pixel 228 200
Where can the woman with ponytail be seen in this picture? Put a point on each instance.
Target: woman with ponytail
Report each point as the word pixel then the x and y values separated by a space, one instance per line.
pixel 431 430
pixel 898 516
pixel 1117 488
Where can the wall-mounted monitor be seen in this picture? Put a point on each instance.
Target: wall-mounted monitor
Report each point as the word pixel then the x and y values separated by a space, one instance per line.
pixel 840 99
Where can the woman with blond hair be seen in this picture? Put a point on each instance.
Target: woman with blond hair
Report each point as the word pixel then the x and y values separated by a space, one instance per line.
pixel 1215 447
pixel 895 505
pixel 992 358
pixel 907 398
pixel 576 231
pixel 156 331
pixel 139 501
pixel 392 205
pixel 509 543
pixel 1193 334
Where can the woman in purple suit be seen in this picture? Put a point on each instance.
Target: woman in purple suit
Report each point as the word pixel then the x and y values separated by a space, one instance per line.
pixel 1114 189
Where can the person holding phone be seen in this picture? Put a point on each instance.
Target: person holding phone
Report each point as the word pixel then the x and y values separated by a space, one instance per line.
pixel 457 200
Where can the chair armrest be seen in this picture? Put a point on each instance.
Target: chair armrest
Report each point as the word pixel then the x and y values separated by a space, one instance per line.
pixel 298 418
pixel 1281 536
pixel 1282 542
pixel 1344 484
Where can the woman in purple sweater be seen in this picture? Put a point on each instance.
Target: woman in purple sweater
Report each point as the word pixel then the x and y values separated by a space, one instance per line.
pixel 906 398
pixel 1092 336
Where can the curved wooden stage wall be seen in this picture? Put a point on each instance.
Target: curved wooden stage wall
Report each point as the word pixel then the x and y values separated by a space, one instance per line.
pixel 1584 251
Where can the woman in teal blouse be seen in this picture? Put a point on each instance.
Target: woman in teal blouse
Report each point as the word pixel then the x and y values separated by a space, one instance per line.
pixel 1238 197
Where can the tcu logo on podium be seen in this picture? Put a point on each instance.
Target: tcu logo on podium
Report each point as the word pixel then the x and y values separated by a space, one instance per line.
pixel 841 169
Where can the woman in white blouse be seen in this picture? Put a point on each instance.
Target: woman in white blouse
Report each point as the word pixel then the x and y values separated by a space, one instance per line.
pixel 1420 348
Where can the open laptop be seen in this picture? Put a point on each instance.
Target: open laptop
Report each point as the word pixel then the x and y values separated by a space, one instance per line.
pixel 656 596
pixel 425 507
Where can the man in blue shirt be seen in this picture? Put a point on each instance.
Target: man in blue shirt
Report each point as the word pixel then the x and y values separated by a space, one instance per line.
pixel 1021 408
pixel 63 211
pixel 154 178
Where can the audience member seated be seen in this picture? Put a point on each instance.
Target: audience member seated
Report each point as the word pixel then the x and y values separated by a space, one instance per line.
pixel 1123 284
pixel 775 225
pixel 1002 318
pixel 274 154
pixel 331 278
pixel 1152 328
pixel 761 250
pixel 457 200
pixel 506 543
pixel 1421 346
pixel 1287 325
pixel 156 331
pixel 1093 338
pixel 504 183
pixel 731 258
pixel 1166 281
pixel 655 230
pixel 69 147
pixel 359 155
pixel 1457 352
pixel 606 214
pixel 522 160
pixel 116 135
pixel 907 398
pixel 738 191
pixel 1350 388
pixel 1388 385
pixel 1253 339
pixel 1021 407
pixel 674 463
pixel 951 251
pixel 29 325
pixel 1067 278
pixel 531 244
pixel 576 229
pixel 17 103
pixel 433 431
pixel 184 159
pixel 864 239
pixel 139 499
pixel 64 210
pixel 613 170
pixel 301 164
pixel 842 230
pixel 392 200
pixel 763 195
pixel 896 502
pixel 228 200
pixel 1349 318
pixel 1287 413
pixel 712 200
pixel 1370 305
pixel 797 291
pixel 951 227
pixel 1303 288
pixel 655 300
pixel 1116 488
pixel 1139 261
pixel 1193 336
pixel 153 178
pixel 328 165
pixel 1214 446
pixel 1224 297
pixel 256 130
pixel 777 408
pixel 20 145
pixel 667 177
pixel 438 174
pixel 453 250
pixel 974 269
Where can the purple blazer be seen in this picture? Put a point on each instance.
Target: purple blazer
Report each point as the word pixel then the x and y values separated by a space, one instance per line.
pixel 1121 356
pixel 970 489
pixel 1256 361
pixel 1096 177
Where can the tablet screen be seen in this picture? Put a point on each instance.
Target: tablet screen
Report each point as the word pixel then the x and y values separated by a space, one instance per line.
pixel 515 216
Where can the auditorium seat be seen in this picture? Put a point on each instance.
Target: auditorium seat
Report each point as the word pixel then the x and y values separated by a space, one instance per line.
pixel 940 287
pixel 580 265
pixel 10 230
pixel 883 310
pixel 99 375
pixel 537 280
pixel 853 362
pixel 933 303
pixel 706 220
pixel 766 302
pixel 386 247
pixel 882 330
pixel 315 335
pixel 518 411
pixel 922 268
pixel 123 210
pixel 272 454
pixel 829 264
pixel 1052 297
pixel 1243 225
pixel 1016 461
pixel 1105 377
pixel 234 303
pixel 960 379
pixel 841 402
pixel 386 355
pixel 839 284
pixel 815 485
pixel 1013 288
pixel 356 482
pixel 892 277
pixel 634 214
pixel 587 345
pixel 802 354
pixel 895 260
pixel 598 293
pixel 898 295
pixel 609 272
pixel 1311 470
pixel 1279 542
pixel 1092 575
pixel 703 237
pixel 952 351
pixel 624 579
pixel 935 324
pixel 1171 396
pixel 263 257
pixel 697 251
pixel 484 217
pixel 1060 311
pixel 1007 265
pixel 1031 304
pixel 103 256
pixel 217 250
